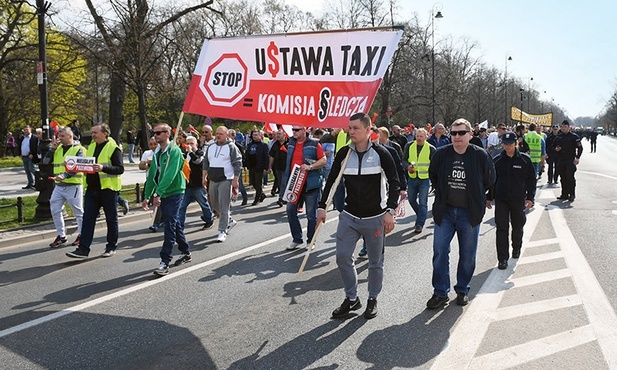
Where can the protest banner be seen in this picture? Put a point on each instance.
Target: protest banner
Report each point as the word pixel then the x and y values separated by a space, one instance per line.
pixel 316 79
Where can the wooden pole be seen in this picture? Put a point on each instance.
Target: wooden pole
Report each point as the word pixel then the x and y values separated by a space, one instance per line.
pixel 328 202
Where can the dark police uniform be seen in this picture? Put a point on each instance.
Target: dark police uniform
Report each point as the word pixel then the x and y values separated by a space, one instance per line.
pixel 571 148
pixel 552 158
pixel 516 183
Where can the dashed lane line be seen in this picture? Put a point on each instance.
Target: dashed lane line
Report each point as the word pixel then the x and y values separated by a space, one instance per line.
pixel 109 297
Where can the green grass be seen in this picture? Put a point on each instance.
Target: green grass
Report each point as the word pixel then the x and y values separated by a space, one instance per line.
pixel 8 215
pixel 11 162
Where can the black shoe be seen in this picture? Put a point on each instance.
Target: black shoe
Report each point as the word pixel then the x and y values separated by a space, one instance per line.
pixel 184 258
pixel 280 203
pixel 58 242
pixel 244 202
pixel 262 197
pixel 26 187
pixel 562 197
pixel 571 198
pixel 77 253
pixel 502 265
pixel 462 299
pixel 436 302
pixel 255 202
pixel 153 228
pixel 208 225
pixel 371 309
pixel 347 306
pixel 516 253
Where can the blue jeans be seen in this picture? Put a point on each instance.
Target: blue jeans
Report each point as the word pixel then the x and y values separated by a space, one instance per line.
pixel 242 189
pixel 131 150
pixel 310 199
pixel 197 194
pixel 417 195
pixel 93 201
pixel 29 168
pixel 173 229
pixel 454 220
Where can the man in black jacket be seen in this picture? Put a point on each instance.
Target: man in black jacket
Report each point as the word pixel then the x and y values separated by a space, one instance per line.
pixel 461 174
pixel 257 161
pixel 514 192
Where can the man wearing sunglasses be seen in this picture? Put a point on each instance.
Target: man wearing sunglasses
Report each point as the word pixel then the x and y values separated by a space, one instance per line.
pixel 165 185
pixel 461 174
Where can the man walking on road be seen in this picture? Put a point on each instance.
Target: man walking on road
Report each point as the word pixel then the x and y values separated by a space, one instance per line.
pixel 514 192
pixel 372 187
pixel 68 187
pixel 102 189
pixel 309 155
pixel 257 163
pixel 165 185
pixel 195 186
pixel 222 167
pixel 461 174
pixel 569 149
pixel 416 160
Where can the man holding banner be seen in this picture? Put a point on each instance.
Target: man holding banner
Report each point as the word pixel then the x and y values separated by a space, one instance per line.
pixel 303 176
pixel 368 213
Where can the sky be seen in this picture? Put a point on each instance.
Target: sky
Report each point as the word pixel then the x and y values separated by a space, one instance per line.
pixel 568 47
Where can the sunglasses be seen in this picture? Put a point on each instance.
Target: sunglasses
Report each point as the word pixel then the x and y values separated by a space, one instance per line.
pixel 206 132
pixel 159 132
pixel 296 129
pixel 460 133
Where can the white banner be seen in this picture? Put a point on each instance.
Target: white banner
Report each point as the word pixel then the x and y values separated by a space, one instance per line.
pixel 312 79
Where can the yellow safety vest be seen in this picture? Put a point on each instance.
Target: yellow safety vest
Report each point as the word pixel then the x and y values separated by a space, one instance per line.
pixel 422 162
pixel 59 168
pixel 108 181
pixel 341 141
pixel 535 146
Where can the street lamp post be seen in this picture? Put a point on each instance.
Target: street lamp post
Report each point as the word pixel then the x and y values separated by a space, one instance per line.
pixel 508 58
pixel 45 186
pixel 529 95
pixel 435 13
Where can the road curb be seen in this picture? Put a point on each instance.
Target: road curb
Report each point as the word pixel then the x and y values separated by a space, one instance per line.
pixel 50 234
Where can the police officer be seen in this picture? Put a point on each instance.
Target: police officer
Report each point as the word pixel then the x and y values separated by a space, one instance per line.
pixel 551 155
pixel 514 192
pixel 569 150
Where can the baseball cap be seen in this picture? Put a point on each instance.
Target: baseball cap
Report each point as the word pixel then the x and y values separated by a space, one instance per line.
pixel 565 122
pixel 509 138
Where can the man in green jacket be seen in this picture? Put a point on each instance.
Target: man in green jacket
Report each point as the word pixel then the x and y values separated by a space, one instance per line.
pixel 165 184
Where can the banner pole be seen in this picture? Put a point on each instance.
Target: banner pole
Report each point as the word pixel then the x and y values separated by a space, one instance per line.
pixel 328 202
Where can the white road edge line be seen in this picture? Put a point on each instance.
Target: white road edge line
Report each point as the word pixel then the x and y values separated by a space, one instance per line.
pixel 94 302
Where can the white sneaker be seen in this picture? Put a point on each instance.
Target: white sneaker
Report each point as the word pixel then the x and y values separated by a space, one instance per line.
pixel 108 253
pixel 222 236
pixel 230 225
pixel 293 246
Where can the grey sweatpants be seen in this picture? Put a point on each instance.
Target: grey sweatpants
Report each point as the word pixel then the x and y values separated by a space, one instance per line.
pixel 220 199
pixel 350 230
pixel 71 194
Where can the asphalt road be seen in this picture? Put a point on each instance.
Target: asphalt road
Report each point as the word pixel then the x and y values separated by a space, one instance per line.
pixel 240 304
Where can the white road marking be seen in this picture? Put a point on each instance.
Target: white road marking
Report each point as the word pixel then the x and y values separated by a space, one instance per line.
pixel 109 297
pixel 531 308
pixel 470 331
pixel 536 349
pixel 601 315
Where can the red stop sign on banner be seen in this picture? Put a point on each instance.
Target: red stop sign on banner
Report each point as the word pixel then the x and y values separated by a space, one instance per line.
pixel 226 80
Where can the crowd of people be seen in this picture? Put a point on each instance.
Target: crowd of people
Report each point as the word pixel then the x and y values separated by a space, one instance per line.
pixel 366 171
